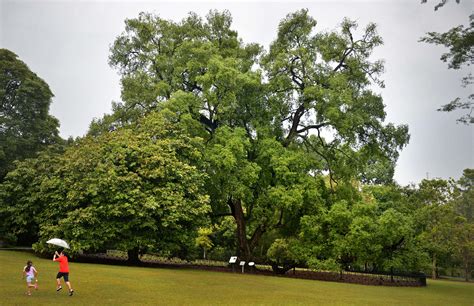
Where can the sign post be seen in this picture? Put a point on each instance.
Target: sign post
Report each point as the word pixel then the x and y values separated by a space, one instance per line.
pixel 232 261
pixel 242 263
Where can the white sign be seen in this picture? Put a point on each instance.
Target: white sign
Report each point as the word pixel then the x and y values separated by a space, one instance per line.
pixel 233 260
pixel 251 264
pixel 242 263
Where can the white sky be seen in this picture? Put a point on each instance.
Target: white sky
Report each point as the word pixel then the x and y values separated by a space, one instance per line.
pixel 67 44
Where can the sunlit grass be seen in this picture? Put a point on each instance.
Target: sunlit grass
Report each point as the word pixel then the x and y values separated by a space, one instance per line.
pixel 118 285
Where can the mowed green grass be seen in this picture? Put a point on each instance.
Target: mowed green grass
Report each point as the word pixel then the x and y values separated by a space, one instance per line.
pixel 118 285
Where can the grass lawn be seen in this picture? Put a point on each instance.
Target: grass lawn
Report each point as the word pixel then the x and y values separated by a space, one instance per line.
pixel 117 285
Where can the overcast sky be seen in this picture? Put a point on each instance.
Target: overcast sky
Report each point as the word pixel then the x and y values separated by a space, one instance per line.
pixel 67 44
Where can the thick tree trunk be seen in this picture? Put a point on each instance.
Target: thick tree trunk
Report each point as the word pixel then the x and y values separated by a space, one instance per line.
pixel 433 267
pixel 245 246
pixel 256 237
pixel 238 213
pixel 133 256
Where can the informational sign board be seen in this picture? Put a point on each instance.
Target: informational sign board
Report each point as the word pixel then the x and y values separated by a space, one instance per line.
pixel 251 264
pixel 233 260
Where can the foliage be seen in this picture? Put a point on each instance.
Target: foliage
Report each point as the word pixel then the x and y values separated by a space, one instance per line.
pixel 464 223
pixel 444 222
pixel 21 201
pixel 203 240
pixel 363 235
pixel 26 127
pixel 440 4
pixel 460 41
pixel 262 115
pixel 283 255
pixel 436 217
pixel 132 189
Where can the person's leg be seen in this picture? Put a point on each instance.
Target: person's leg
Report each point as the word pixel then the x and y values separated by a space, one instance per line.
pixel 28 285
pixel 58 282
pixel 66 280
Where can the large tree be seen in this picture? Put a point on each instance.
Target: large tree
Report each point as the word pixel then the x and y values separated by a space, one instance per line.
pixel 274 122
pixel 25 123
pixel 136 189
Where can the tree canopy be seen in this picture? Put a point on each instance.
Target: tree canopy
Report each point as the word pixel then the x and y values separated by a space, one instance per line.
pixel 272 119
pixel 135 189
pixel 26 126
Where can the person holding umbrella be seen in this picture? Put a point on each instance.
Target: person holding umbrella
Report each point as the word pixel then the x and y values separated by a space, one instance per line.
pixel 63 271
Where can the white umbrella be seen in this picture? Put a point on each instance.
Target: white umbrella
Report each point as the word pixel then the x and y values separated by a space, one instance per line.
pixel 58 242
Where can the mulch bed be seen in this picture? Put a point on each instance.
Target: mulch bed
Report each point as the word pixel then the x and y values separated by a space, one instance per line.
pixel 345 277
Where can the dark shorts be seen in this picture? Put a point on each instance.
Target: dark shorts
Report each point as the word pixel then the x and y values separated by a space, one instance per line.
pixel 63 274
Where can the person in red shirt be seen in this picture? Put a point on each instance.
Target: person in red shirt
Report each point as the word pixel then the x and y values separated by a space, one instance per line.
pixel 63 271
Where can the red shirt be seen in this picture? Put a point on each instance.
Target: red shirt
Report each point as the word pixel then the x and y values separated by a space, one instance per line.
pixel 63 264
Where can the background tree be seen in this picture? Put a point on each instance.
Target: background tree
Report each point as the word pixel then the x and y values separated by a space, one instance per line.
pixel 25 124
pixel 203 240
pixel 21 202
pixel 436 217
pixel 465 203
pixel 463 241
pixel 370 232
pixel 464 222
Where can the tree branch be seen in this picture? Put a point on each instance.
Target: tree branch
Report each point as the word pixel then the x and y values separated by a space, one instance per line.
pixel 312 126
pixel 296 121
pixel 347 52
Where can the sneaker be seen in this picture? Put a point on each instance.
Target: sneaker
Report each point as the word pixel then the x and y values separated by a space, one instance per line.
pixel 59 288
pixel 71 292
